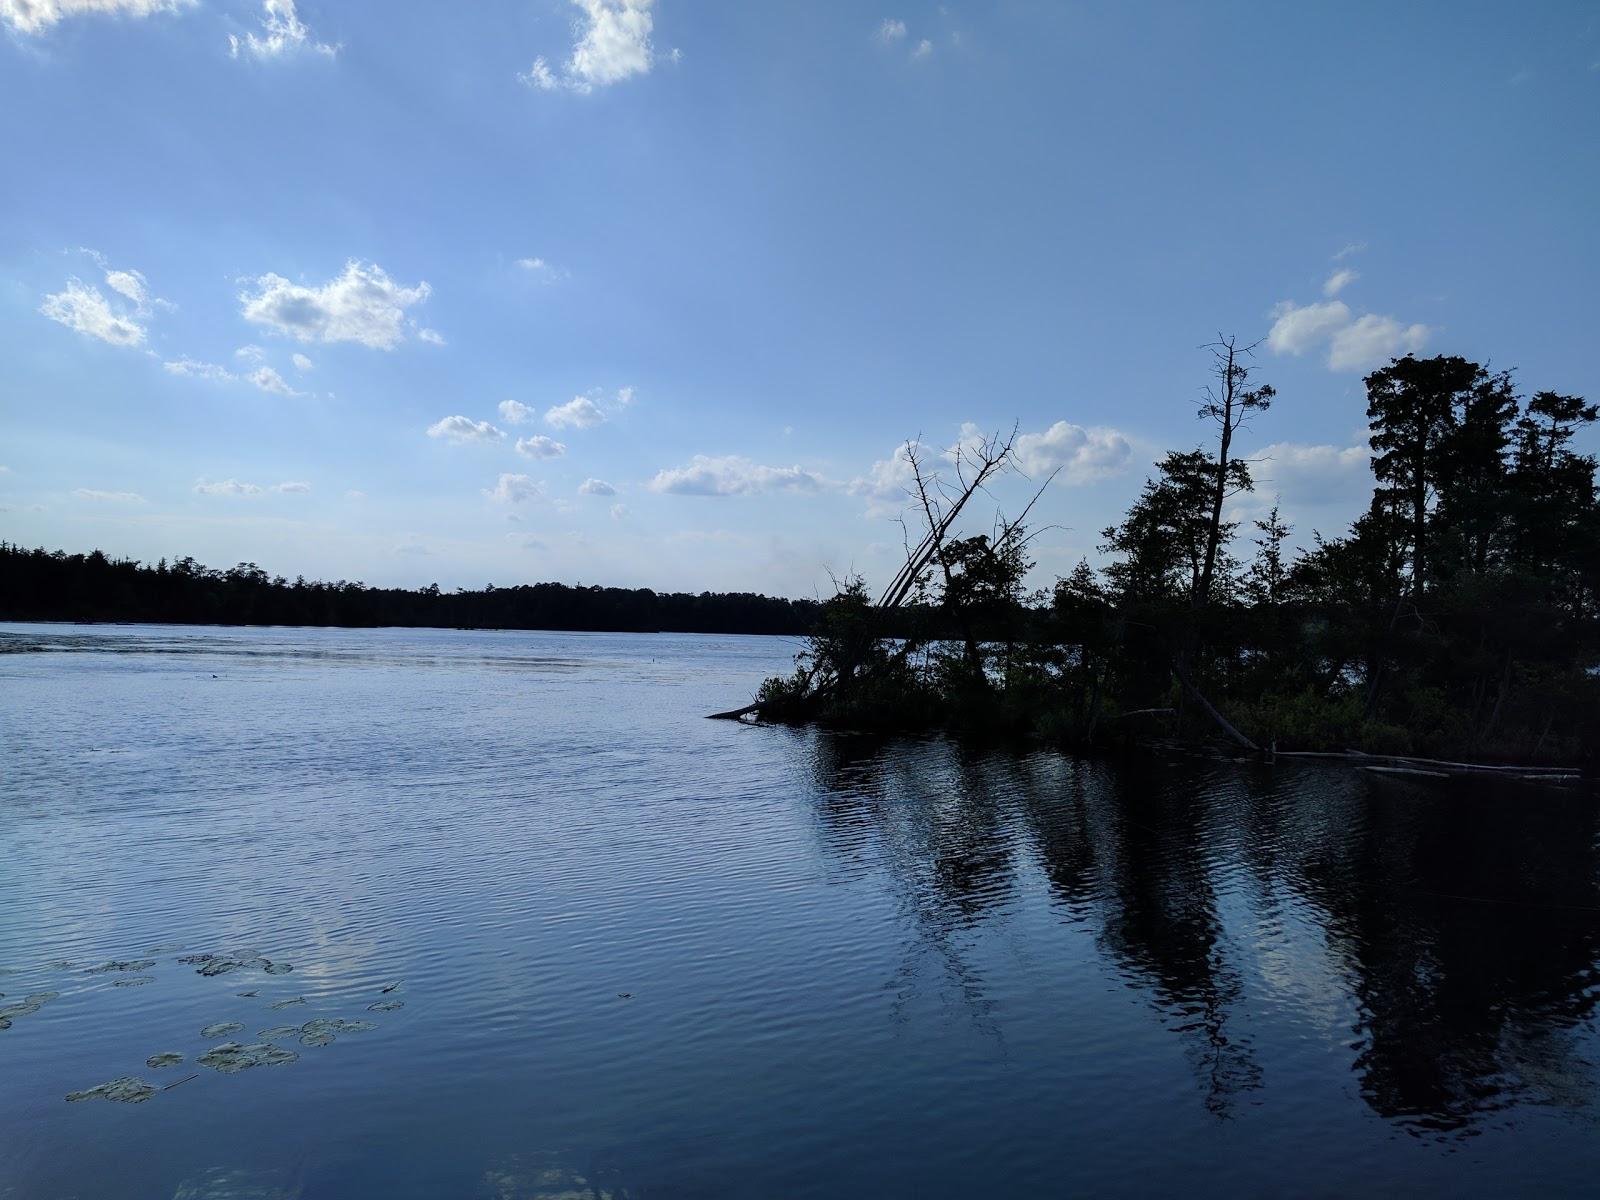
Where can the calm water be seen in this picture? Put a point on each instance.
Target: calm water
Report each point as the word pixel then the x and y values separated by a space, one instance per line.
pixel 644 954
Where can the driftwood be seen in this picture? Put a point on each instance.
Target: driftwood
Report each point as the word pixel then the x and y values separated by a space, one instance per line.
pixel 1206 707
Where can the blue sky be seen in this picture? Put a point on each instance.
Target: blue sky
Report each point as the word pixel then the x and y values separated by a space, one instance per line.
pixel 648 293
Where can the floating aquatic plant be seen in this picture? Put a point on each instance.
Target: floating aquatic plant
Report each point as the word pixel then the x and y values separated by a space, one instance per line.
pixel 293 1000
pixel 231 1057
pixel 156 1061
pixel 138 964
pixel 136 981
pixel 386 1006
pixel 126 1090
pixel 221 1029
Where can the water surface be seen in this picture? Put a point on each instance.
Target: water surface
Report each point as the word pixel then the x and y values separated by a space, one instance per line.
pixel 643 954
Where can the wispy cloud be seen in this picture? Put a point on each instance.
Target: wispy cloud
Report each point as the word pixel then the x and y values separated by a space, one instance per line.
pixel 282 33
pixel 100 497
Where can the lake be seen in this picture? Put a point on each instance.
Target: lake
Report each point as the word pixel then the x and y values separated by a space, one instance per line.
pixel 619 950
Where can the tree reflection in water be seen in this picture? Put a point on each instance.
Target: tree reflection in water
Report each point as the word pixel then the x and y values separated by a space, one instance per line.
pixel 1460 926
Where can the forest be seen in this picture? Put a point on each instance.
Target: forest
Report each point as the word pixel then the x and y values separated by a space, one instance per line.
pixel 41 585
pixel 1458 616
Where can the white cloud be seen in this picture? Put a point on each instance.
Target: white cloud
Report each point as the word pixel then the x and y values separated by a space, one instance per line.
pixel 362 305
pixel 543 270
pixel 892 30
pixel 250 354
pixel 199 370
pixel 84 308
pixel 461 430
pixel 1082 455
pixel 1339 280
pixel 540 446
pixel 108 497
pixel 539 76
pixel 923 50
pixel 1354 343
pixel 516 413
pixel 283 32
pixel 887 481
pixel 268 380
pixel 578 413
pixel 1348 249
pixel 36 16
pixel 515 489
pixel 226 487
pixel 296 487
pixel 613 44
pixel 1371 340
pixel 732 475
pixel 432 336
pixel 596 487
pixel 130 284
pixel 1298 329
pixel 301 362
pixel 618 511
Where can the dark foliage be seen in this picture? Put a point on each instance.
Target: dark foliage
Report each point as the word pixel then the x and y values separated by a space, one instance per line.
pixel 39 585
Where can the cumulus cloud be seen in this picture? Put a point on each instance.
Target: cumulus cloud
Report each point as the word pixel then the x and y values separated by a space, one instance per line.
pixel 1297 329
pixel 250 354
pixel 891 30
pixel 1371 340
pixel 732 475
pixel 432 336
pixel 618 511
pixel 578 413
pixel 297 487
pixel 37 16
pixel 130 284
pixel 540 446
pixel 596 487
pixel 613 44
pixel 462 430
pixel 282 33
pixel 887 481
pixel 1082 455
pixel 515 489
pixel 1339 280
pixel 362 305
pixel 107 497
pixel 301 362
pixel 923 49
pixel 84 308
pixel 516 413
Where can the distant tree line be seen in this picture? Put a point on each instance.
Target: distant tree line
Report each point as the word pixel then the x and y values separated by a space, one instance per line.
pixel 38 585
pixel 1459 615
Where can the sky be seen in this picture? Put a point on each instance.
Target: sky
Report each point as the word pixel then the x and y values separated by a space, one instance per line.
pixel 650 293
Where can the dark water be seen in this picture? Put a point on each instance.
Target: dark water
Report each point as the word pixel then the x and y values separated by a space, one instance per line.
pixel 851 968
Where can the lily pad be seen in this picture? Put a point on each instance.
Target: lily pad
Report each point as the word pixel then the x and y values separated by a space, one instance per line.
pixel 126 1090
pixel 277 968
pixel 136 981
pixel 192 960
pixel 156 1061
pixel 391 987
pixel 221 1029
pixel 293 1000
pixel 231 1057
pixel 321 1031
pixel 386 1006
pixel 279 1031
pixel 41 997
pixel 138 964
